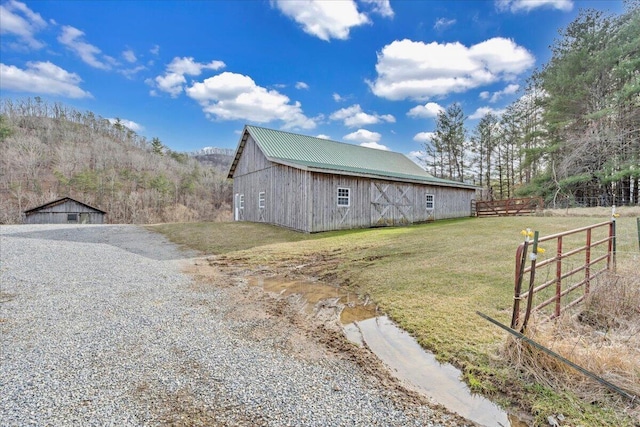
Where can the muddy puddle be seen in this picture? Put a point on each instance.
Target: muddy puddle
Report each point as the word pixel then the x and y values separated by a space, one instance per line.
pixel 399 351
pixel 313 292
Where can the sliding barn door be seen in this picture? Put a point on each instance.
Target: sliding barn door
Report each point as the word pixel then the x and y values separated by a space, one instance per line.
pixel 391 204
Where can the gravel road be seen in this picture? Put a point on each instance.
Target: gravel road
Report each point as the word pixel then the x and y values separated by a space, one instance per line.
pixel 101 327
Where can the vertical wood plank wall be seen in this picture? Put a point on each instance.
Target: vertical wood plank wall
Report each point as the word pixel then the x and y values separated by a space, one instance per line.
pixel 327 215
pixel 286 190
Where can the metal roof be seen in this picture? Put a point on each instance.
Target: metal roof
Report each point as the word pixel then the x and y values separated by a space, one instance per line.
pixel 323 155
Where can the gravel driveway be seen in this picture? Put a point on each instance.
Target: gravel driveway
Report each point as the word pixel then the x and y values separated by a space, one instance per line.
pixel 100 327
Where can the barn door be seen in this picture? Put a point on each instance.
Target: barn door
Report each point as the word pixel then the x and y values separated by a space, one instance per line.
pixel 85 218
pixel 391 204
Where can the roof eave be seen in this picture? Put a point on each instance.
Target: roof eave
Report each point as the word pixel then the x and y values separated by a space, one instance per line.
pixel 372 175
pixel 58 202
pixel 236 158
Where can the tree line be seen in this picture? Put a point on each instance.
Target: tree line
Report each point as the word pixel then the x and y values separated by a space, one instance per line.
pixel 51 151
pixel 573 137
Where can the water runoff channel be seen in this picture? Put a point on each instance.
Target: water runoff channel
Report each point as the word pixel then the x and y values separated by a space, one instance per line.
pixel 410 363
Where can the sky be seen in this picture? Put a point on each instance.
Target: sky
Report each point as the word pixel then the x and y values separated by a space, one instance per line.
pixel 193 73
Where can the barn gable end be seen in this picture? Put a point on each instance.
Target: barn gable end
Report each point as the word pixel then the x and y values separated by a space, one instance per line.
pixel 311 185
pixel 64 211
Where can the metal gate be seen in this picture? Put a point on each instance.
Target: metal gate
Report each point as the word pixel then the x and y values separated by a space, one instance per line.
pixel 572 268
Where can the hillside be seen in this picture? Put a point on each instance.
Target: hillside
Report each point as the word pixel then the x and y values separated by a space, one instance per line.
pixel 218 158
pixel 51 151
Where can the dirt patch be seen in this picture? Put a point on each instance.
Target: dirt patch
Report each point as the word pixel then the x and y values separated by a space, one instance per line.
pixel 260 301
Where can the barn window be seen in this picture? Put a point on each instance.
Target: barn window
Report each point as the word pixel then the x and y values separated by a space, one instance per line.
pixel 241 201
pixel 72 217
pixel 344 196
pixel 430 201
pixel 261 199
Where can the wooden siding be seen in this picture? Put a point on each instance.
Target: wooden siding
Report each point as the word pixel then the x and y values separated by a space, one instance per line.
pixel 286 190
pixel 452 202
pixel 327 215
pixel 58 214
pixel 251 160
pixel 376 203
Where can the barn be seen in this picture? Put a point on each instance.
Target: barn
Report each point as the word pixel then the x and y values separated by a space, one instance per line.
pixel 64 211
pixel 311 184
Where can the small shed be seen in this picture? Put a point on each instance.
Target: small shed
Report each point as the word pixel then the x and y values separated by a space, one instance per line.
pixel 65 211
pixel 312 184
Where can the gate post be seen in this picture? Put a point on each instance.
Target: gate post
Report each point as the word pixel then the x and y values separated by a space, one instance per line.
pixel 587 270
pixel 558 276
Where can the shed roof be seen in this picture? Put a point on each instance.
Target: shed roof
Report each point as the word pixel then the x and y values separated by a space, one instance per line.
pixel 59 202
pixel 323 155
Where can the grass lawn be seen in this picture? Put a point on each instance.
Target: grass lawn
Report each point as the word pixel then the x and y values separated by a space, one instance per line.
pixel 430 278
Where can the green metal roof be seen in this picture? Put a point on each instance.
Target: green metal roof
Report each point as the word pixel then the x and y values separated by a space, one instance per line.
pixel 311 153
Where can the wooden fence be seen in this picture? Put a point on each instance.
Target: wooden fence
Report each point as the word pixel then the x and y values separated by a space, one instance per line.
pixel 508 207
pixel 580 256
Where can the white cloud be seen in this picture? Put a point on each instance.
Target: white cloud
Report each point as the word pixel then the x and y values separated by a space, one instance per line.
pixel 509 90
pixel 128 124
pixel 417 157
pixel 129 56
pixel 171 83
pixel 323 19
pixel 302 85
pixel 323 136
pixel 529 5
pixel 173 80
pixel 482 111
pixel 187 65
pixel 17 19
pixel 442 23
pixel 374 145
pixel 130 72
pixel 381 7
pixel 415 70
pixel 232 96
pixel 485 94
pixel 423 137
pixel 155 50
pixel 363 136
pixel 428 110
pixel 72 38
pixel 337 97
pixel 42 78
pixel 354 116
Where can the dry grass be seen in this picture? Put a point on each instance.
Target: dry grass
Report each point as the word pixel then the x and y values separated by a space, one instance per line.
pixel 602 336
pixel 602 212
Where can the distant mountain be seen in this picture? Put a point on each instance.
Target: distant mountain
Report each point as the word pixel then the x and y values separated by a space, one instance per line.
pixel 217 158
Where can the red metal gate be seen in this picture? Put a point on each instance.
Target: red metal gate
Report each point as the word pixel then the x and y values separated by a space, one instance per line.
pixel 566 272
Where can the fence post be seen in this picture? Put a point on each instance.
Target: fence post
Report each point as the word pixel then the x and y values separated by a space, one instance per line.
pixel 558 276
pixel 613 233
pixel 521 259
pixel 587 270
pixel 532 278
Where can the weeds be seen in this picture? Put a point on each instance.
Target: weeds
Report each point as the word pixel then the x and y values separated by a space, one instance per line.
pixel 602 336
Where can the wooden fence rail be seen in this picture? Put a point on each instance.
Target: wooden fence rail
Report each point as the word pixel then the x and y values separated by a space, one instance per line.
pixel 566 281
pixel 508 207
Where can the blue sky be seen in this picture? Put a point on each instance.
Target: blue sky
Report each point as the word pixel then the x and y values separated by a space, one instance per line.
pixel 192 73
